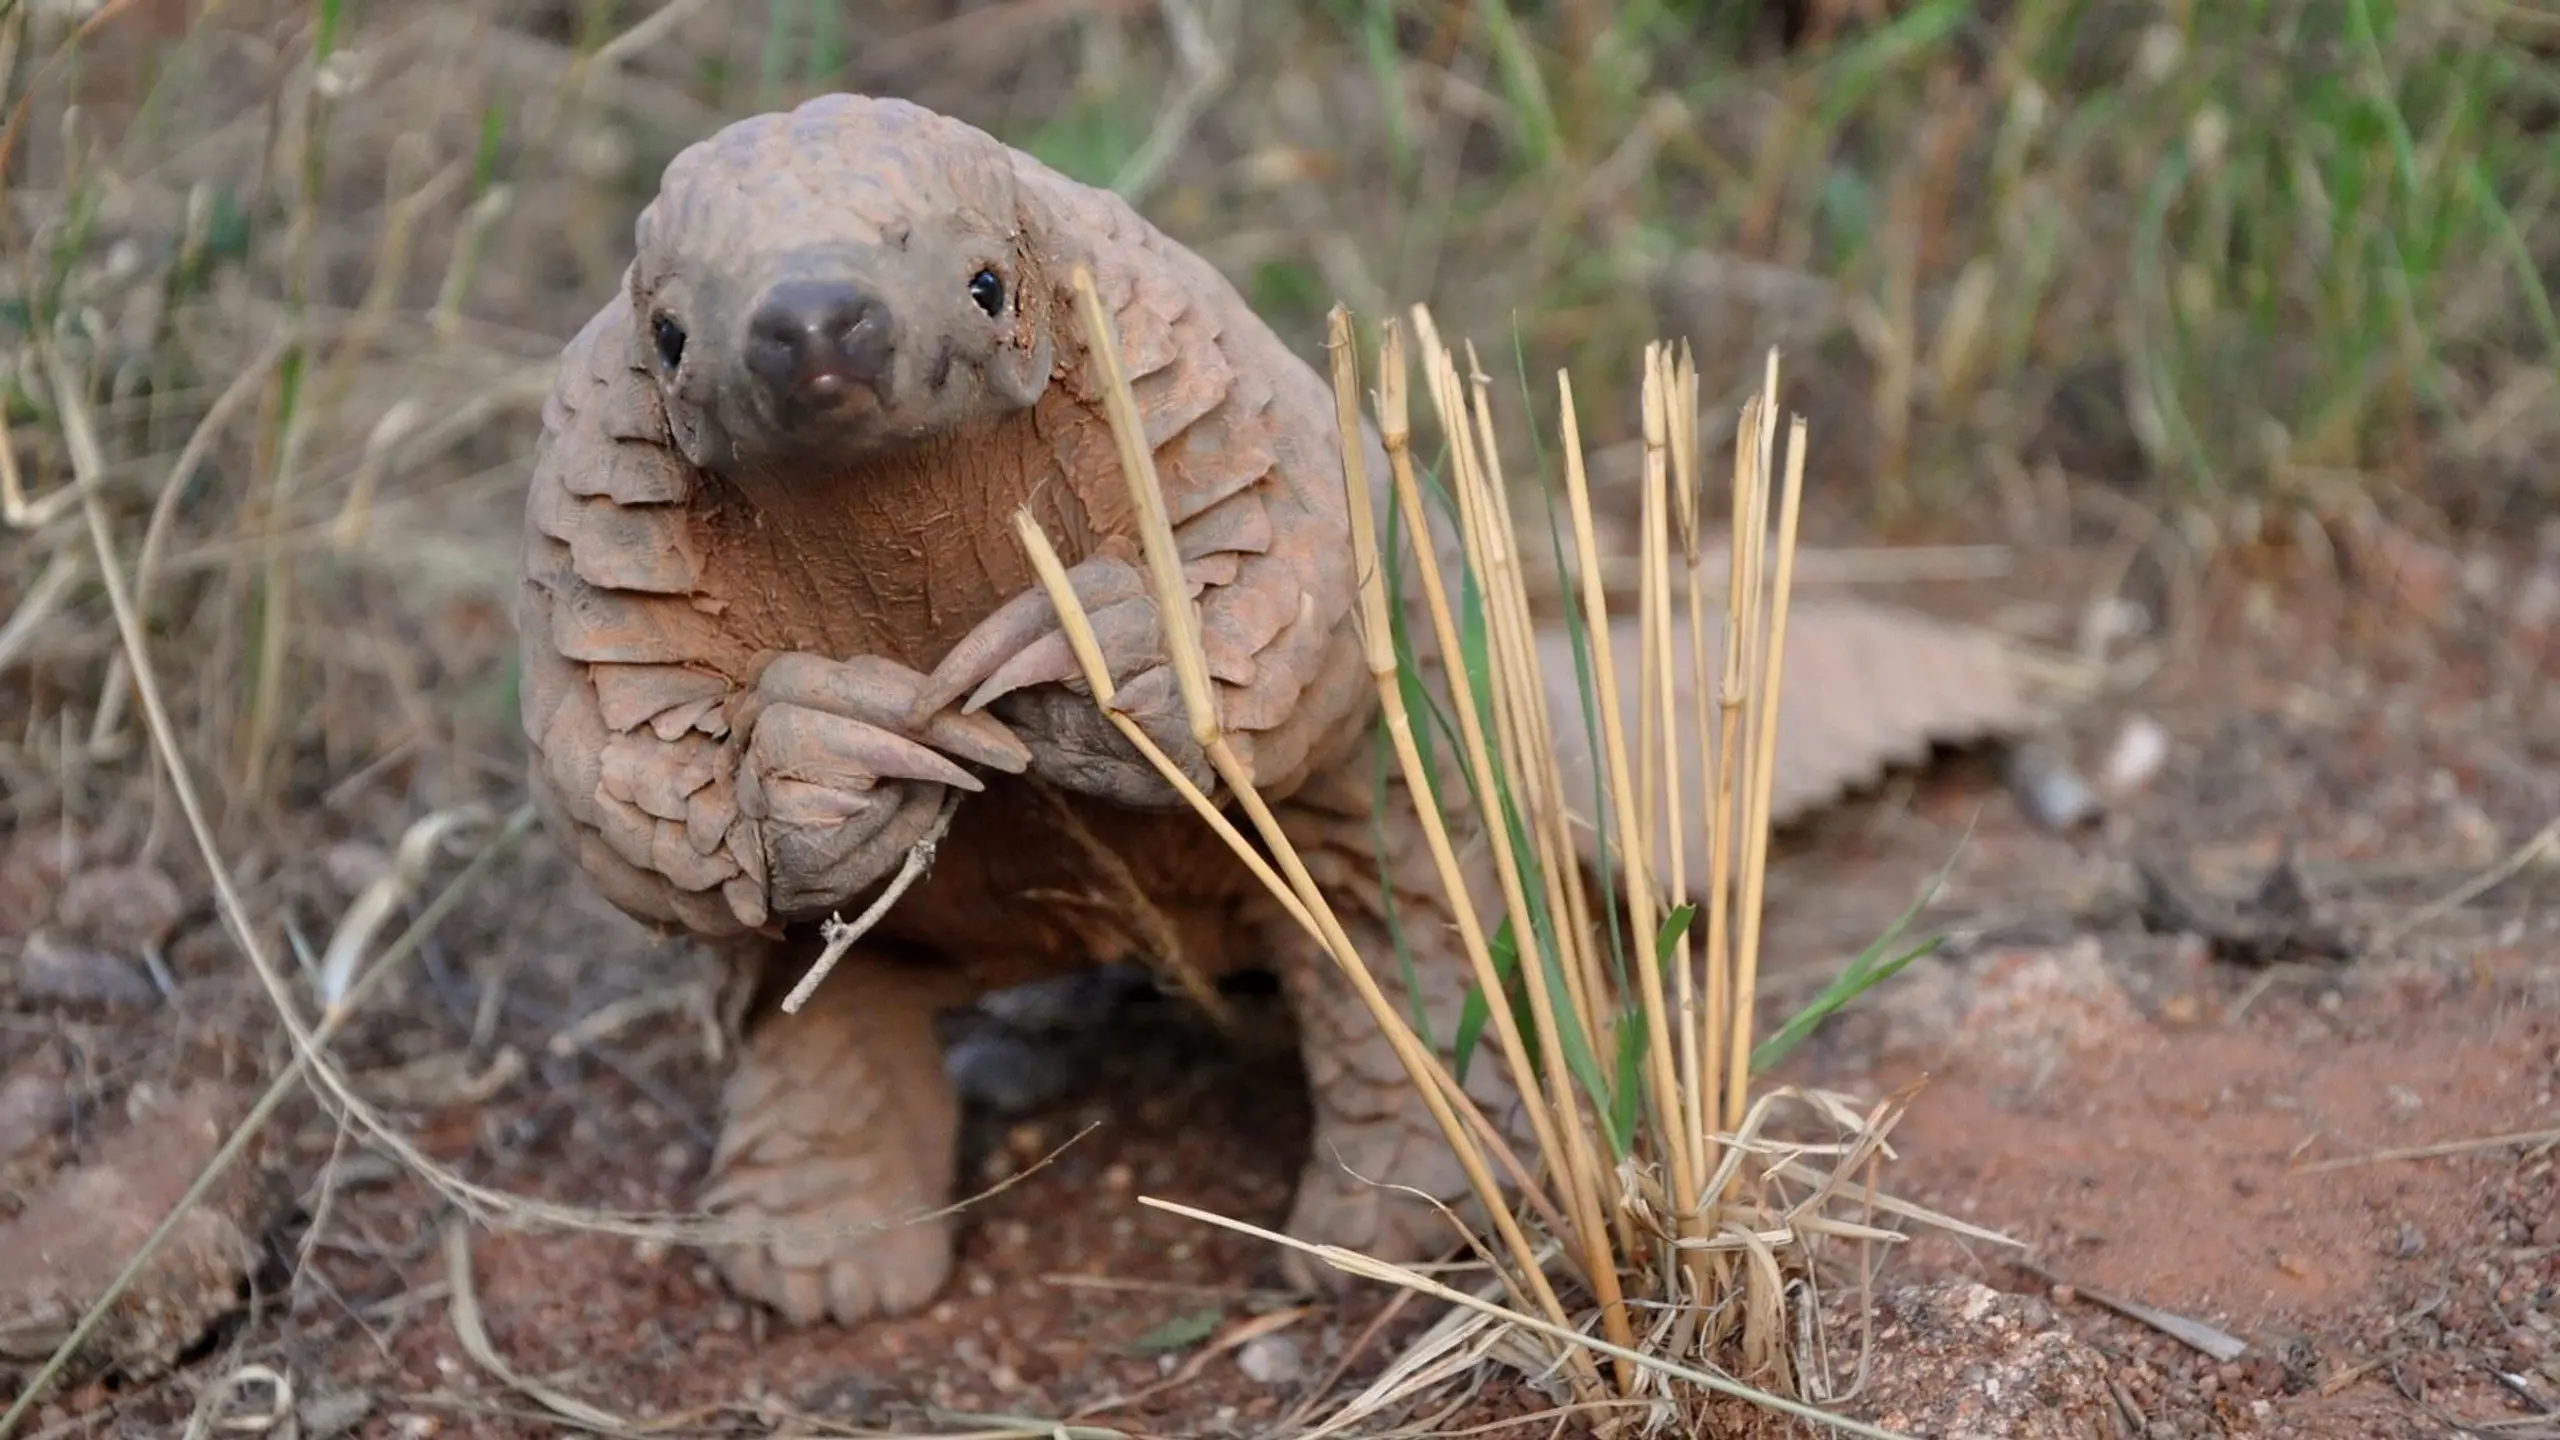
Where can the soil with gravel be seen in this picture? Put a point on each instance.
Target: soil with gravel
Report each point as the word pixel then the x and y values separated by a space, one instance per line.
pixel 2265 1116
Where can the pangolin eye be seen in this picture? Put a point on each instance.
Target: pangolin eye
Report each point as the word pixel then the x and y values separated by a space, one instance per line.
pixel 988 290
pixel 670 338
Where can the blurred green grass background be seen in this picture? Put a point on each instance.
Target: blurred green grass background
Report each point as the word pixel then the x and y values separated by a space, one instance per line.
pixel 2209 258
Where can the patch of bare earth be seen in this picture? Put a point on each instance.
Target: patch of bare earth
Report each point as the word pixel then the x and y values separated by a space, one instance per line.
pixel 2195 1109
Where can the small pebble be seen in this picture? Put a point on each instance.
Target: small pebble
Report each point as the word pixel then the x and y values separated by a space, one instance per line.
pixel 2111 622
pixel 2048 789
pixel 120 905
pixel 51 969
pixel 1274 1359
pixel 31 1104
pixel 324 1416
pixel 2140 751
pixel 840 1395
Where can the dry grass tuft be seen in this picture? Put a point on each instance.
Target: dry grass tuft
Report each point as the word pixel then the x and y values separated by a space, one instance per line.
pixel 1674 1242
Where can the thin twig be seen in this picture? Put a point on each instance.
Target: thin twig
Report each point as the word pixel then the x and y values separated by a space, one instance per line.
pixel 2436 1151
pixel 1156 931
pixel 463 1308
pixel 2541 845
pixel 841 936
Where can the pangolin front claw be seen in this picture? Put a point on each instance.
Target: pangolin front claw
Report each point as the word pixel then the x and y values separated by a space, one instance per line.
pixel 1023 624
pixel 878 691
pixel 813 746
pixel 1129 634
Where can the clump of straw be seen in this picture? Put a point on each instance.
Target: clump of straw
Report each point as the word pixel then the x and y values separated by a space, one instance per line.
pixel 1665 1250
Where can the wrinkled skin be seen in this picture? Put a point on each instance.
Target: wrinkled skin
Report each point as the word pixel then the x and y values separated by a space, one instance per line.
pixel 774 614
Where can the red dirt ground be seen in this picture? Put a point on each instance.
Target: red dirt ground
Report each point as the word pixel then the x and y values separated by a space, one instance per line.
pixel 2162 1122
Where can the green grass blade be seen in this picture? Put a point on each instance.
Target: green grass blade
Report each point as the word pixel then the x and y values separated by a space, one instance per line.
pixel 1870 969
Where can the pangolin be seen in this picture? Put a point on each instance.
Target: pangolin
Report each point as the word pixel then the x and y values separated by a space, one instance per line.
pixel 773 613
pixel 774 616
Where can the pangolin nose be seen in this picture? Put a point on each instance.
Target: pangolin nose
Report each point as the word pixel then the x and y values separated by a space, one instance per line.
pixel 814 341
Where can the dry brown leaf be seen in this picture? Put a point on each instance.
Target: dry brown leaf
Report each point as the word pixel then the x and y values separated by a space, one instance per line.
pixel 75 1235
pixel 1867 687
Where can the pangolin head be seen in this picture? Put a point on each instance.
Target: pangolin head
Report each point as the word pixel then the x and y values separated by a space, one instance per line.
pixel 815 285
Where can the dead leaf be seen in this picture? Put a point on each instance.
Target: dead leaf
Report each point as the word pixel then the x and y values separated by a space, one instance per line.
pixel 1865 687
pixel 76 1234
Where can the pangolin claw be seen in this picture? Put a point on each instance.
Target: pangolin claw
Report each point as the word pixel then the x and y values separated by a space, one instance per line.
pixel 880 692
pixel 820 748
pixel 1103 583
pixel 1126 631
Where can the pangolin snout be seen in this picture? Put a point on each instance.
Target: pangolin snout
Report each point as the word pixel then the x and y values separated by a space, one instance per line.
pixel 814 342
